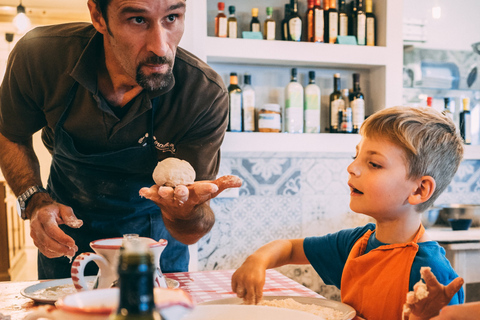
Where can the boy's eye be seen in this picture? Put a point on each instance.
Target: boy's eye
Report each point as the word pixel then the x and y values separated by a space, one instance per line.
pixel 374 165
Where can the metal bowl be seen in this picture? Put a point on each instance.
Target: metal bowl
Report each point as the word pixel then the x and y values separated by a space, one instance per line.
pixel 460 211
pixel 429 217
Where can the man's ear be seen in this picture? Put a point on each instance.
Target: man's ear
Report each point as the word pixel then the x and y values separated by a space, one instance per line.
pixel 423 192
pixel 97 19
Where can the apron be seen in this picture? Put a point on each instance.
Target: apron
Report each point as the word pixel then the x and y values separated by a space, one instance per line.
pixel 376 284
pixel 103 190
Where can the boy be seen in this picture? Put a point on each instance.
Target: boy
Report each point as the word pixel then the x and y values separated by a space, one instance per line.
pixel 404 161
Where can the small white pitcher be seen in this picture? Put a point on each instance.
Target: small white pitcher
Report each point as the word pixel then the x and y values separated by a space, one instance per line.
pixel 106 257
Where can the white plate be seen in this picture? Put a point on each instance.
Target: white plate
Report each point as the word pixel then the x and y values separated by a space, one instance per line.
pixel 348 312
pixel 242 312
pixel 52 290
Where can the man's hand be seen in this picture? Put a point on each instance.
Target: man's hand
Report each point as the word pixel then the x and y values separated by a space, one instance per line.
pixel 438 296
pixel 47 236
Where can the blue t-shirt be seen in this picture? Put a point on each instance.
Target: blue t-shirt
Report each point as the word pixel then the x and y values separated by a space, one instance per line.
pixel 328 255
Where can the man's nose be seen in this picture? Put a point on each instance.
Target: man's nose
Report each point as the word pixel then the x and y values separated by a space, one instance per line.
pixel 157 41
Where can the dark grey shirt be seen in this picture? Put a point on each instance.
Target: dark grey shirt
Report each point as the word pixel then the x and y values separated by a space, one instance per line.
pixel 190 119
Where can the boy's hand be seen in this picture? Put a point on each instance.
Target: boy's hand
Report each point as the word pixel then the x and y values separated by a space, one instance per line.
pixel 438 296
pixel 248 281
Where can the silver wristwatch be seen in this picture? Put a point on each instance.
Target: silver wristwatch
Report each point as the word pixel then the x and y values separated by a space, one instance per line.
pixel 24 197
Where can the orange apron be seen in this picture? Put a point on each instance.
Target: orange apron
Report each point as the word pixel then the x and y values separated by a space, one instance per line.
pixel 376 284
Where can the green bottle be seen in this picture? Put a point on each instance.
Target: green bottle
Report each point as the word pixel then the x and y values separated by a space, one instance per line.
pixel 135 270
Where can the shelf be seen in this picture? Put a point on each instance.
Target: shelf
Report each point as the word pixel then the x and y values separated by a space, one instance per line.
pixel 247 51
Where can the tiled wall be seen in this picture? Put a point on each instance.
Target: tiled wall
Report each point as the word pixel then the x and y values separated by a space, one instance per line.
pixel 295 196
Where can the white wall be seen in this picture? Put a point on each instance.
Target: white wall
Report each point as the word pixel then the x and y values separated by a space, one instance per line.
pixel 457 28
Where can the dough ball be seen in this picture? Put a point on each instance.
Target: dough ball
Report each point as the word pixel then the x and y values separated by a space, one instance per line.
pixel 172 172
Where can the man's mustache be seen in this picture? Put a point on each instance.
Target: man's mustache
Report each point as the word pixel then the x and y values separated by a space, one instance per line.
pixel 157 60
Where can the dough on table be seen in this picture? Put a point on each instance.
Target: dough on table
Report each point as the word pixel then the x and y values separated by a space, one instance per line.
pixel 172 172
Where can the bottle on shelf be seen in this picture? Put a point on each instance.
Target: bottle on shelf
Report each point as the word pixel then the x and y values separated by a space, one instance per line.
pixel 294 105
pixel 269 25
pixel 360 24
pixel 136 271
pixel 255 23
pixel 232 23
pixel 221 21
pixel 285 30
pixel 352 18
pixel 326 7
pixel 312 105
pixel 294 22
pixel 342 19
pixel 357 103
pixel 248 104
pixel 449 107
pixel 269 118
pixel 466 122
pixel 371 22
pixel 235 103
pixel 429 101
pixel 336 103
pixel 315 23
pixel 332 22
pixel 345 115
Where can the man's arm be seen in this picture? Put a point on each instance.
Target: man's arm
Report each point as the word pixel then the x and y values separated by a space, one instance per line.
pixel 21 169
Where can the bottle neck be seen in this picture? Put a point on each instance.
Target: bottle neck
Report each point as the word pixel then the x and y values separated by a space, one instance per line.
pixel 336 84
pixel 233 80
pixel 356 86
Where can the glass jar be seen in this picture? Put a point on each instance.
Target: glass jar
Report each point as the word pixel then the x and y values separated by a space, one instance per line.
pixel 269 118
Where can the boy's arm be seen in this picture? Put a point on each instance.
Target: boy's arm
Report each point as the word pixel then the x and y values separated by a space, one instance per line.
pixel 249 279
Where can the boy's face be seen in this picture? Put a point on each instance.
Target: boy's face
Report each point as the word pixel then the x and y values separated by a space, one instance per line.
pixel 378 181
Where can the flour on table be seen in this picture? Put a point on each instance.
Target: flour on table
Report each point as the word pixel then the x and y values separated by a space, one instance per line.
pixel 172 172
pixel 324 312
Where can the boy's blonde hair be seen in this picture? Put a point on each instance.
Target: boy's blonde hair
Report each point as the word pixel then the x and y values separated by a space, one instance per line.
pixel 431 143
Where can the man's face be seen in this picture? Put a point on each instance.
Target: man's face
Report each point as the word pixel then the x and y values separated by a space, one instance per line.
pixel 142 39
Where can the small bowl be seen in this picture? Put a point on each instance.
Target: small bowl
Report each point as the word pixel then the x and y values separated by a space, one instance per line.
pixel 460 224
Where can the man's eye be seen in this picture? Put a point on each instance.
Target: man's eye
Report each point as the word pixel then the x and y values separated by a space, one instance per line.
pixel 172 18
pixel 138 20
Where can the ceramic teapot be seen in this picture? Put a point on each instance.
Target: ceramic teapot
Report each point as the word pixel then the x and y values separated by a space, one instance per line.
pixel 106 256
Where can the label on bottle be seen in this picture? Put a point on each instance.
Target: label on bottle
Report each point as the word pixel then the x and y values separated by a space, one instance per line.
pixel 343 31
pixel 255 27
pixel 335 107
pixel 358 112
pixel 270 30
pixel 222 27
pixel 235 111
pixel 294 109
pixel 269 121
pixel 319 26
pixel 249 110
pixel 370 31
pixel 295 25
pixel 361 29
pixel 332 27
pixel 312 121
pixel 232 29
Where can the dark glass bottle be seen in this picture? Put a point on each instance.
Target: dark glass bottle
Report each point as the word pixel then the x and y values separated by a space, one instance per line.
pixel 342 19
pixel 332 22
pixel 255 23
pixel 352 18
pixel 235 102
pixel 136 270
pixel 466 122
pixel 294 22
pixel 336 103
pixel 285 22
pixel 326 7
pixel 357 102
pixel 370 25
pixel 360 27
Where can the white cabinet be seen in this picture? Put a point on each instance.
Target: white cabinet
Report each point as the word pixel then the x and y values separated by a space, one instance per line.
pixel 269 62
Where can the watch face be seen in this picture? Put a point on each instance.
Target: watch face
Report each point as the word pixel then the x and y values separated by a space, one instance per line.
pixel 19 209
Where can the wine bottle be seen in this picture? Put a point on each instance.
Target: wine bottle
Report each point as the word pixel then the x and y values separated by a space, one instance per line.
pixel 326 7
pixel 285 30
pixel 332 22
pixel 235 102
pixel 294 105
pixel 466 122
pixel 370 24
pixel 310 17
pixel 312 105
pixel 318 23
pixel 346 125
pixel 357 103
pixel 136 271
pixel 248 104
pixel 221 22
pixel 342 19
pixel 360 24
pixel 255 23
pixel 269 25
pixel 232 23
pixel 449 107
pixel 336 103
pixel 352 18
pixel 294 22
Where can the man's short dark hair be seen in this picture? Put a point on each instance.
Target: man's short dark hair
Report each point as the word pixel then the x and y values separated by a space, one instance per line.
pixel 102 7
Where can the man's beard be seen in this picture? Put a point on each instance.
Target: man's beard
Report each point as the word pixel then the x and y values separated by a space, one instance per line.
pixel 154 81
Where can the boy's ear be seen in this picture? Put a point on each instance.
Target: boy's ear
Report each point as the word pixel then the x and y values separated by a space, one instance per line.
pixel 424 190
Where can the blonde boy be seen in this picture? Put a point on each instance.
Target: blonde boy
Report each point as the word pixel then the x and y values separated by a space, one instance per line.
pixel 404 161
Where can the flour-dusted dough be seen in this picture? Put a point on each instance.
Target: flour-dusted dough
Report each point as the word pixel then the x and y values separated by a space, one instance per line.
pixel 172 172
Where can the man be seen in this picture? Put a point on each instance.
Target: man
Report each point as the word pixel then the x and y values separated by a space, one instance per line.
pixel 112 99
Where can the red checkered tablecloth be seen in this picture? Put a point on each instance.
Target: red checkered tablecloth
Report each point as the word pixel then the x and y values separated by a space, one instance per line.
pixel 213 285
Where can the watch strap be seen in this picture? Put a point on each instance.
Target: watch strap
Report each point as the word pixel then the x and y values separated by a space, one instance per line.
pixel 24 197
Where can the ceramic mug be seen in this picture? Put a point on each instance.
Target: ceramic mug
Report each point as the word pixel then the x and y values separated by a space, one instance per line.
pixel 106 257
pixel 173 304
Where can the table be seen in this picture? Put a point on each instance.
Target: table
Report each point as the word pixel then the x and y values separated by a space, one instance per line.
pixel 202 286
